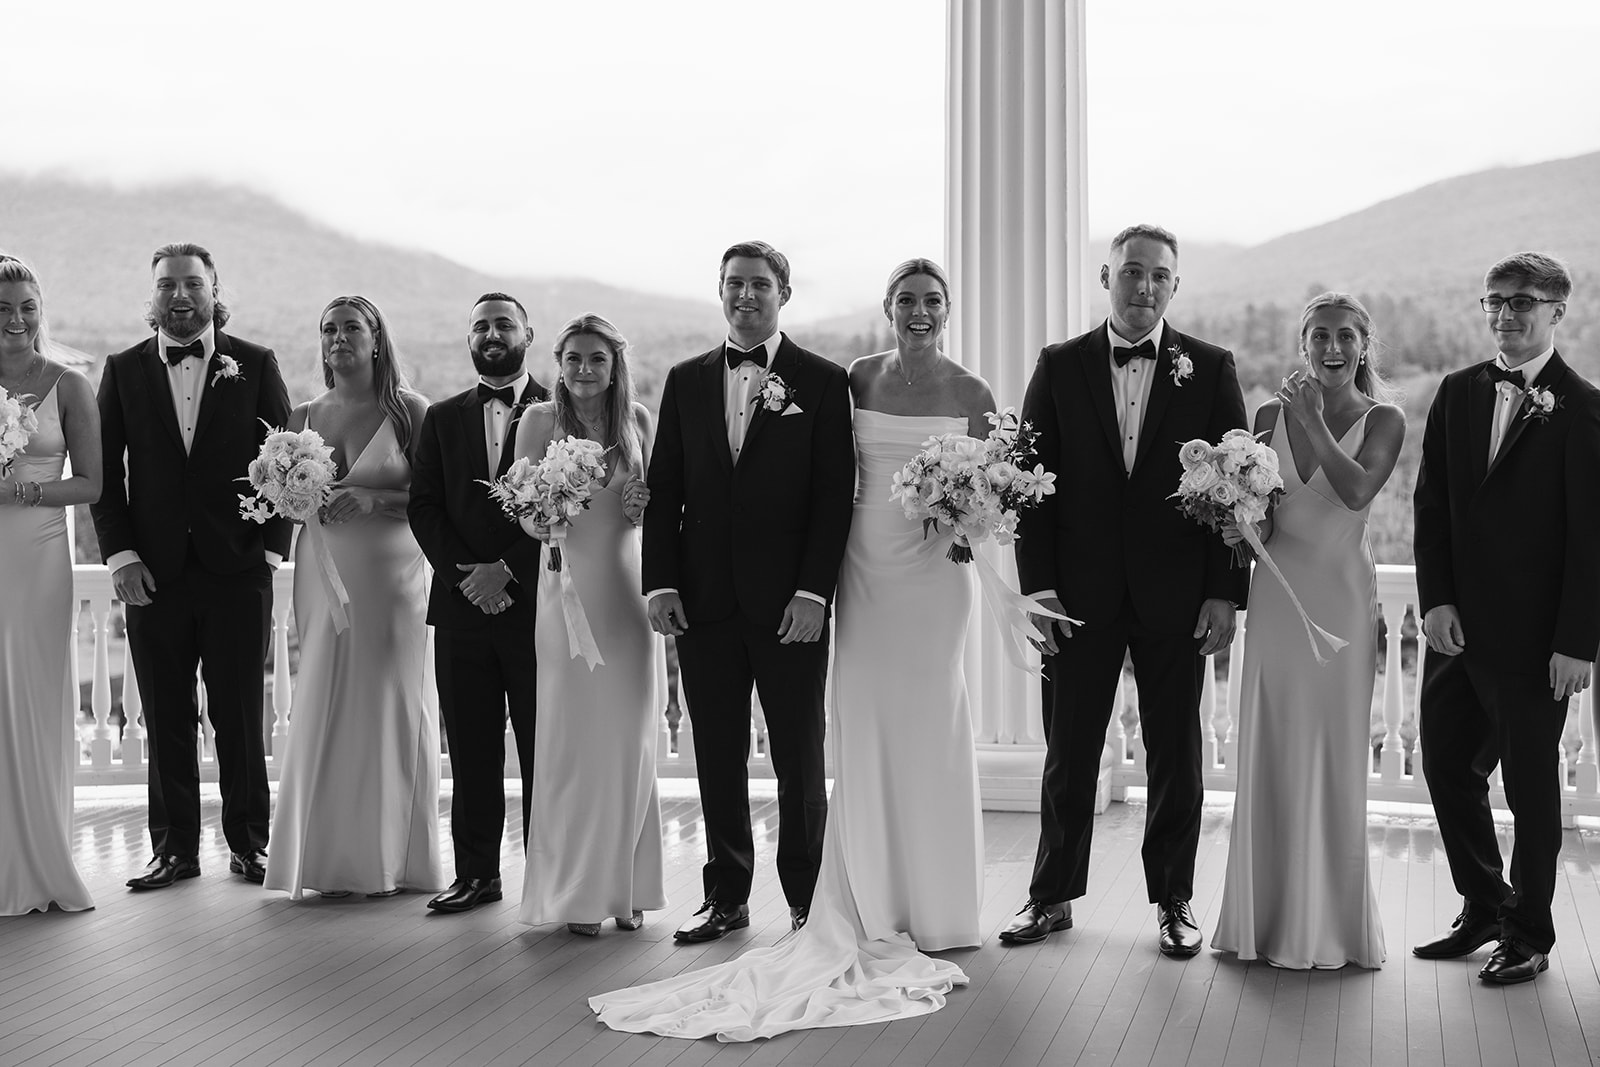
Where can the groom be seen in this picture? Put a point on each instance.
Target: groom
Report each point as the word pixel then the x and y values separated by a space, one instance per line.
pixel 481 604
pixel 182 414
pixel 1111 407
pixel 751 485
pixel 1508 579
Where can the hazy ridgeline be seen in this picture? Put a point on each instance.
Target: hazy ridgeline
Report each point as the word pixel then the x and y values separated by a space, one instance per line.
pixel 1417 261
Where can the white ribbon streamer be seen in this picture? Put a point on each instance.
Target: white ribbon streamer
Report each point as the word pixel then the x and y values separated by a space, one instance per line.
pixel 580 640
pixel 338 599
pixel 1313 631
pixel 1010 609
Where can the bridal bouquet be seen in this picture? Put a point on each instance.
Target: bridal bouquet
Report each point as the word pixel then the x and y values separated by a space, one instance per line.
pixel 975 487
pixel 18 422
pixel 1237 481
pixel 551 493
pixel 291 478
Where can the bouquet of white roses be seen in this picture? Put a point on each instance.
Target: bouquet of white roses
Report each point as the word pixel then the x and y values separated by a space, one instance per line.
pixel 974 487
pixel 1237 482
pixel 553 491
pixel 291 477
pixel 18 422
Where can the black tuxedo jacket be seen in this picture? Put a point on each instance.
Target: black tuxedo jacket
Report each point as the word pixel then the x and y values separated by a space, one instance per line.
pixel 747 536
pixel 172 497
pixel 1106 536
pixel 1513 546
pixel 456 521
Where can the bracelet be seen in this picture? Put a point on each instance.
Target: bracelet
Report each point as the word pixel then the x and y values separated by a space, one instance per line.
pixel 16 493
pixel 38 494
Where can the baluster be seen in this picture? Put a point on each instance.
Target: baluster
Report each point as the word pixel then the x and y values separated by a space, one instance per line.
pixel 133 736
pixel 1208 712
pixel 686 739
pixel 1230 739
pixel 1568 758
pixel 513 758
pixel 207 737
pixel 282 691
pixel 1416 712
pixel 1216 735
pixel 1392 761
pixel 1588 759
pixel 100 685
pixel 1114 756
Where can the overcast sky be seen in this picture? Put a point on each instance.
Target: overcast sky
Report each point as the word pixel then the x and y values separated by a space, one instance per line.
pixel 631 140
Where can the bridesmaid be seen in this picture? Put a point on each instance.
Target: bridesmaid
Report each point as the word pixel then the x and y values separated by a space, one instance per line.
pixel 358 804
pixel 594 846
pixel 1297 891
pixel 38 709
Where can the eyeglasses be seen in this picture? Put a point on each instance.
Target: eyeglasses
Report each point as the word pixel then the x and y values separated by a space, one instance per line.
pixel 1520 304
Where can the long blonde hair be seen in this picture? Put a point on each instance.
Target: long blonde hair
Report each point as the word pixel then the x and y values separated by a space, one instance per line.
pixel 622 433
pixel 388 376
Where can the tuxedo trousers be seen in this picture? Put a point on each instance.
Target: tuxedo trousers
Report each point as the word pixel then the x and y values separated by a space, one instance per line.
pixel 220 624
pixel 1080 689
pixel 720 662
pixel 1474 717
pixel 485 675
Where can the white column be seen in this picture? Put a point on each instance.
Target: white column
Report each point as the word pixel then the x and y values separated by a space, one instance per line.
pixel 1016 234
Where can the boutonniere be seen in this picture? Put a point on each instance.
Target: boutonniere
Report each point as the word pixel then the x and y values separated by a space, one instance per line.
pixel 1182 365
pixel 1538 403
pixel 227 367
pixel 775 393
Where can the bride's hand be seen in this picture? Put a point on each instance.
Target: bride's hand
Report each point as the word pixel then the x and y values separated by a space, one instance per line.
pixel 1231 534
pixel 1301 397
pixel 534 530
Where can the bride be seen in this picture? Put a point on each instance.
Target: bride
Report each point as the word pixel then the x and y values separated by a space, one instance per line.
pixel 902 865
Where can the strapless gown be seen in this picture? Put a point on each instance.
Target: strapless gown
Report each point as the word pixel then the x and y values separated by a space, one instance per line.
pixel 38 709
pixel 902 862
pixel 358 799
pixel 1297 890
pixel 594 843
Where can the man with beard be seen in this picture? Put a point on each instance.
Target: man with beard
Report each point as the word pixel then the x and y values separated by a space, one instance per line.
pixel 481 605
pixel 183 413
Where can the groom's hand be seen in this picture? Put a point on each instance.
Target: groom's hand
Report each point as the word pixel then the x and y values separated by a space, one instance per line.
pixel 1568 676
pixel 1442 627
pixel 1046 641
pixel 484 586
pixel 666 614
pixel 802 621
pixel 134 583
pixel 1215 624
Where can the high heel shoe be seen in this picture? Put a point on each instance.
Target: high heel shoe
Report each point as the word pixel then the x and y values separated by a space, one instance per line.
pixel 632 922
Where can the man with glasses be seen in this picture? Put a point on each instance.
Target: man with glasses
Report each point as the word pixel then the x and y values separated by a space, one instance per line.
pixel 1507 505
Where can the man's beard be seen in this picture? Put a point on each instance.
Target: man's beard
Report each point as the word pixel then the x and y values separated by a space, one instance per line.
pixel 184 329
pixel 507 364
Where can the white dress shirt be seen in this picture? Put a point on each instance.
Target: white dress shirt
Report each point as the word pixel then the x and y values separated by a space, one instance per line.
pixel 496 417
pixel 739 388
pixel 1508 399
pixel 1130 388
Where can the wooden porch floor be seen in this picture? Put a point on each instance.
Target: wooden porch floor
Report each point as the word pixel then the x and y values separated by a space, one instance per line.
pixel 215 971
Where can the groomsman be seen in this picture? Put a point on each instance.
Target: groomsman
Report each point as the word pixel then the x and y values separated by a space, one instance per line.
pixel 481 604
pixel 751 486
pixel 1111 407
pixel 182 415
pixel 1508 579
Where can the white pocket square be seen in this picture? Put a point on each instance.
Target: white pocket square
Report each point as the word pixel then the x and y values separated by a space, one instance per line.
pixel 792 409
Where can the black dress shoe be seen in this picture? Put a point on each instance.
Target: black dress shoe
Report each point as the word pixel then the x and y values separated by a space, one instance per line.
pixel 1037 921
pixel 1180 931
pixel 252 865
pixel 719 919
pixel 1512 962
pixel 465 894
pixel 1466 936
pixel 798 916
pixel 164 870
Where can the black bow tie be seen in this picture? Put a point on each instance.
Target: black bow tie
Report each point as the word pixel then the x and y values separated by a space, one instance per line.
pixel 503 394
pixel 176 354
pixel 1142 350
pixel 1499 374
pixel 757 355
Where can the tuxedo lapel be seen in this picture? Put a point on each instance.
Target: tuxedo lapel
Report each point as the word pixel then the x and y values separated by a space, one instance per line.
pixel 155 381
pixel 1160 393
pixel 208 402
pixel 471 414
pixel 1481 397
pixel 1096 361
pixel 783 366
pixel 1552 373
pixel 530 393
pixel 713 398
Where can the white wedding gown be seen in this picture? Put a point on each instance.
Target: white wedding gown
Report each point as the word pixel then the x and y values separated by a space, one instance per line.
pixel 902 862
